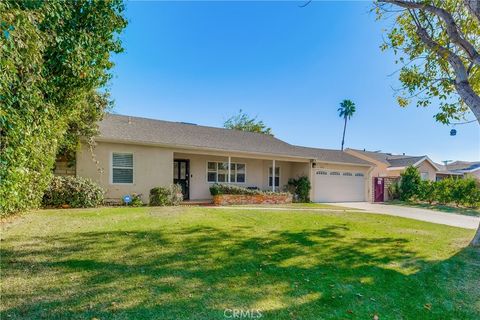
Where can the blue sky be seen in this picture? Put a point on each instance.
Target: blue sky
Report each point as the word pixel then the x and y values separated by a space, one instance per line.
pixel 201 62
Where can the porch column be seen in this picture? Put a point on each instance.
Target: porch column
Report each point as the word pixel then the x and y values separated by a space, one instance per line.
pixel 273 176
pixel 229 168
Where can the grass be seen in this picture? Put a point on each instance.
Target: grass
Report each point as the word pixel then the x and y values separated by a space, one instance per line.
pixel 310 205
pixel 194 262
pixel 438 207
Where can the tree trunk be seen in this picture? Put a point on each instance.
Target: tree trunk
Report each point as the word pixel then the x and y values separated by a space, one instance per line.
pixel 471 99
pixel 344 128
pixel 476 239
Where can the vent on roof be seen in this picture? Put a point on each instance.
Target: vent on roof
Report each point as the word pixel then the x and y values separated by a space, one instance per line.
pixel 189 123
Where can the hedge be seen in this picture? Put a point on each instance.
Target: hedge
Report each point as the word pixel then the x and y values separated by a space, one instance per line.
pixel 74 192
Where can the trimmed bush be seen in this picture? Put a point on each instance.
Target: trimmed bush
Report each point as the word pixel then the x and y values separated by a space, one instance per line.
pixel 300 188
pixel 470 193
pixel 74 192
pixel 409 183
pixel 443 190
pixel 166 196
pixel 427 191
pixel 218 189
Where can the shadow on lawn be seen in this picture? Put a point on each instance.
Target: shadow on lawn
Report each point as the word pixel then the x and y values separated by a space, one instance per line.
pixel 198 272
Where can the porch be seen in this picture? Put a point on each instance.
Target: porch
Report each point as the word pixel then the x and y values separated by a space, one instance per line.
pixel 197 172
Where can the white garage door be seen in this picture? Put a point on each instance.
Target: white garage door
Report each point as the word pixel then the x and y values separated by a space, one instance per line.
pixel 338 186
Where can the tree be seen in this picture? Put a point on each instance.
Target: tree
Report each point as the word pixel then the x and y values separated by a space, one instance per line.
pixel 346 111
pixel 438 43
pixel 244 122
pixel 409 183
pixel 54 57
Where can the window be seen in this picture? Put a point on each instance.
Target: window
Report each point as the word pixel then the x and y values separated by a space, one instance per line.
pixel 424 175
pixel 358 174
pixel 334 173
pixel 277 176
pixel 217 172
pixel 323 173
pixel 122 168
pixel 347 174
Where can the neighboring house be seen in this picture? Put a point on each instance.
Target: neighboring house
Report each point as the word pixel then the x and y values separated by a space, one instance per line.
pixel 459 169
pixel 388 167
pixel 133 155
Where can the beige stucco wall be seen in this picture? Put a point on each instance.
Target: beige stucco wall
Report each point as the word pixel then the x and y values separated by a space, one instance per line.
pixel 152 166
pixel 425 166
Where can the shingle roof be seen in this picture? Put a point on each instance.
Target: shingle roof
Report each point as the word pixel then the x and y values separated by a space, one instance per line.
pixel 176 134
pixel 392 160
pixel 463 165
pixel 404 162
pixel 329 155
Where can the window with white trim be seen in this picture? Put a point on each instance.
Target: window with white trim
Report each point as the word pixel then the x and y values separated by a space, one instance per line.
pixel 217 172
pixel 122 167
pixel 277 176
pixel 358 174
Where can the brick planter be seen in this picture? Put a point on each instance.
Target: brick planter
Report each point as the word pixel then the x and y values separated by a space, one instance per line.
pixel 229 199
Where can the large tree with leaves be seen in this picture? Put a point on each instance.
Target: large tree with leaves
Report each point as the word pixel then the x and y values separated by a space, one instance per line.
pixel 242 121
pixel 437 43
pixel 54 57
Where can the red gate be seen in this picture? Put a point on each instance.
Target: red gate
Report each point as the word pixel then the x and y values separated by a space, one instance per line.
pixel 379 189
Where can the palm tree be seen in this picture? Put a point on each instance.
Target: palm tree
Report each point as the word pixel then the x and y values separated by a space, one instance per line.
pixel 347 109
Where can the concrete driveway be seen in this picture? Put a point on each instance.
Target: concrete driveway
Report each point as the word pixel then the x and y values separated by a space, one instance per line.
pixel 449 219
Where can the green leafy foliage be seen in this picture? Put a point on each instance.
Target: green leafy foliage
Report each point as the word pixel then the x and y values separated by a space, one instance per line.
pixel 218 189
pixel 426 75
pixel 244 122
pixel 74 192
pixel 54 55
pixel 427 191
pixel 459 191
pixel 300 188
pixel 136 200
pixel 166 196
pixel 409 183
pixel 394 191
pixel 444 190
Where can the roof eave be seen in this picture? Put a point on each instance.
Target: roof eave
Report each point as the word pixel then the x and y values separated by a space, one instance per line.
pixel 186 147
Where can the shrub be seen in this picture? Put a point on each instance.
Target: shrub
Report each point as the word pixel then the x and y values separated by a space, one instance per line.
pixel 300 188
pixel 409 183
pixel 470 193
pixel 136 200
pixel 394 191
pixel 218 189
pixel 427 191
pixel 443 189
pixel 75 192
pixel 166 196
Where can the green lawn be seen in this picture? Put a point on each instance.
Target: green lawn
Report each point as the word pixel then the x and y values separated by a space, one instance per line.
pixel 310 205
pixel 194 262
pixel 438 207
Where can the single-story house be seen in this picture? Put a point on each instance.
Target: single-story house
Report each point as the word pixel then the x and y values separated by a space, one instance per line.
pixel 388 167
pixel 460 169
pixel 133 155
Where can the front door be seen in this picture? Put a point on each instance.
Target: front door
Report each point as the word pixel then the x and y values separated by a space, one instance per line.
pixel 181 176
pixel 379 189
